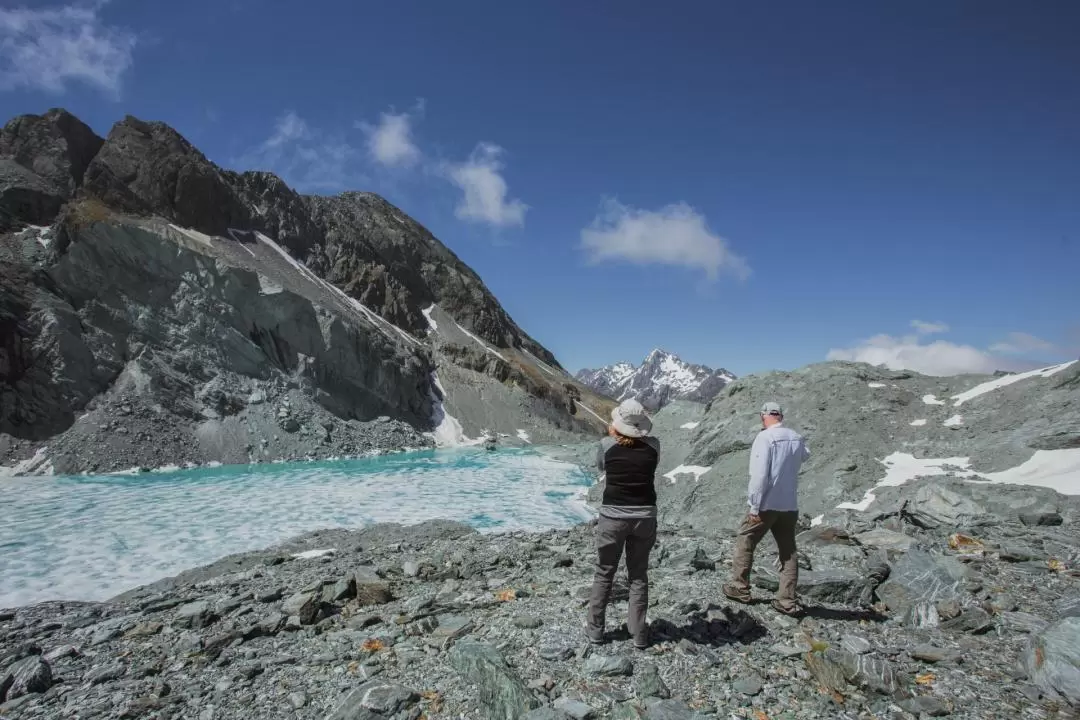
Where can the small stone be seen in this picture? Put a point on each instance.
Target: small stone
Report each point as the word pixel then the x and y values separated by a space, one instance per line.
pixel 563 561
pixel 527 622
pixel 410 569
pixel 855 644
pixel 787 651
pixel 931 653
pixel 374 697
pixel 360 622
pixel 1016 554
pixel 1022 622
pixel 544 713
pixel 573 708
pixel 555 651
pixel 948 609
pixel 1002 602
pixel 648 683
pixel 270 596
pixel 371 589
pixel 452 626
pixel 60 652
pixel 105 673
pixel 973 620
pixel 1045 519
pixel 226 606
pixel 104 634
pixel 145 629
pixel 423 626
pixel 926 706
pixel 194 615
pixel 748 685
pixel 608 665
pixel 302 605
pixel 297 700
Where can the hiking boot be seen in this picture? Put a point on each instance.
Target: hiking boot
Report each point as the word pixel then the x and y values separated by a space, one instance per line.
pixel 789 610
pixel 641 642
pixel 739 595
pixel 595 635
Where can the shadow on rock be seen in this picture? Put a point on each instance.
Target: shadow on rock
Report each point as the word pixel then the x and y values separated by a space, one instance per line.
pixel 715 627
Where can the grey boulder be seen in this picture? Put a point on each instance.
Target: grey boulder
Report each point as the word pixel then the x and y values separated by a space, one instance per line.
pixel 498 687
pixel 1052 660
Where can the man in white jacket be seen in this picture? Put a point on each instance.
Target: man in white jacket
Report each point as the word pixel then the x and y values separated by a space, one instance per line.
pixel 775 459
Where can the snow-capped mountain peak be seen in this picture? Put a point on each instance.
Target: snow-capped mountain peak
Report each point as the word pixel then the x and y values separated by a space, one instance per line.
pixel 661 378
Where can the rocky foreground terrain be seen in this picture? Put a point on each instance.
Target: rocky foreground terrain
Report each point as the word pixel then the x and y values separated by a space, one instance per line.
pixel 904 620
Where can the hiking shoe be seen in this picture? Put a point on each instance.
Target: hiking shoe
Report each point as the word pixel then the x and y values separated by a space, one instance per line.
pixel 731 592
pixel 595 635
pixel 791 611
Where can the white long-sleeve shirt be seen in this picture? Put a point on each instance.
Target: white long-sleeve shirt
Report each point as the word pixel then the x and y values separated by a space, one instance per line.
pixel 775 460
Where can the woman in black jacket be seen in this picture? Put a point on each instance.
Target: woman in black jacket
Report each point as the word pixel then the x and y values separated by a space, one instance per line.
pixel 628 458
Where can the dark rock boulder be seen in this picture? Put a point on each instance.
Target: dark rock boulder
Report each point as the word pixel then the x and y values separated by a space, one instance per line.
pixel 25 197
pixel 56 146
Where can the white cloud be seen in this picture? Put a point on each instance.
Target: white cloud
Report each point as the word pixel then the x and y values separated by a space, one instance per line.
pixel 941 357
pixel 910 353
pixel 48 48
pixel 929 328
pixel 673 235
pixel 1019 343
pixel 305 157
pixel 390 142
pixel 485 190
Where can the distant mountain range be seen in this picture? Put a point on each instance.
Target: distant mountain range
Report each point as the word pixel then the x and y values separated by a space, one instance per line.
pixel 661 378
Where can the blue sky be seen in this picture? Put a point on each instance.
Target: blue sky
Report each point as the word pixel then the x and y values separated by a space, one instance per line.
pixel 753 186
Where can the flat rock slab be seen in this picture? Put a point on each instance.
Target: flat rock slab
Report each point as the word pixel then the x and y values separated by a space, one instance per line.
pixel 609 665
pixel 574 708
pixel 885 540
pixel 373 697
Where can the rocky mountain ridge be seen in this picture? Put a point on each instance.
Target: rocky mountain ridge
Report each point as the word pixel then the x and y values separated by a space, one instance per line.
pixel 661 378
pixel 236 319
pixel 870 430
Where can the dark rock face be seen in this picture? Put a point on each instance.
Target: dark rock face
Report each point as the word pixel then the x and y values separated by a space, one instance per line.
pixel 147 168
pixel 200 317
pixel 56 146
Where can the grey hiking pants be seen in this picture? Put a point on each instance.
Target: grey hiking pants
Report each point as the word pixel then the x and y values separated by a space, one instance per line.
pixel 782 525
pixel 638 535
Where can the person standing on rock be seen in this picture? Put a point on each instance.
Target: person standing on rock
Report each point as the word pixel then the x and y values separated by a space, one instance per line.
pixel 628 457
pixel 775 459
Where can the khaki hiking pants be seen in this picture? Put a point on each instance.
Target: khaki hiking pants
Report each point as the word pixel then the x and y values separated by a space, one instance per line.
pixel 638 535
pixel 782 525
